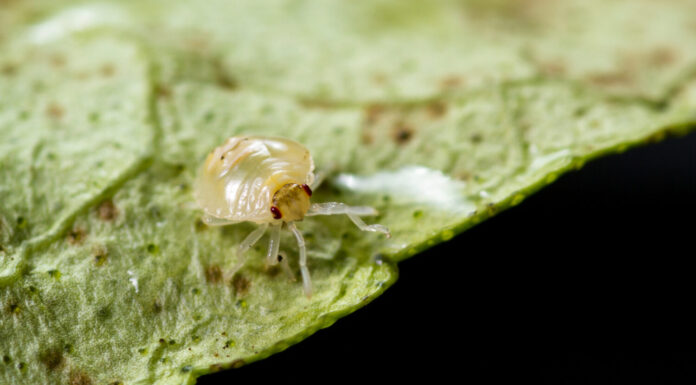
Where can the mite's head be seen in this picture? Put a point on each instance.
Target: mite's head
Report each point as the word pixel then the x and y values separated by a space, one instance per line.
pixel 291 202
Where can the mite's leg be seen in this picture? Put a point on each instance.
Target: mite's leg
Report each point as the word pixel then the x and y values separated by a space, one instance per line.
pixel 215 221
pixel 246 245
pixel 353 212
pixel 306 280
pixel 273 245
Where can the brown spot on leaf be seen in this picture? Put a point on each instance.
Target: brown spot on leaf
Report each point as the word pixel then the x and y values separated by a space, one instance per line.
pixel 366 138
pixel 552 68
pixel 436 109
pixel 236 364
pixel 272 271
pixel 402 133
pixel 163 91
pixel 215 367
pixel 57 60
pixel 213 274
pixel 107 211
pixel 611 78
pixel 55 111
pixel 8 69
pixel 464 175
pixel 156 308
pixel 197 41
pixel 223 79
pixel 76 236
pixel 107 70
pixel 379 78
pixel 241 285
pixel 452 81
pixel 373 112
pixel 317 103
pixel 662 56
pixel 78 377
pixel 476 138
pixel 52 358
pixel 200 225
pixel 13 308
pixel 100 254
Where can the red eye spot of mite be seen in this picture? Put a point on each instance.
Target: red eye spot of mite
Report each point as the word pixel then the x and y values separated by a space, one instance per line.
pixel 307 190
pixel 276 213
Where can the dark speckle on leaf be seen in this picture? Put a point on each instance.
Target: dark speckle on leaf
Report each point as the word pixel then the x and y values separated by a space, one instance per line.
pixel 13 308
pixel 107 211
pixel 156 306
pixel 100 254
pixel 436 109
pixel 241 284
pixel 199 225
pixel 57 59
pixel 373 113
pixel 163 91
pixel 611 78
pixel 108 70
pixel 476 138
pixel 52 358
pixel 236 364
pixel 76 236
pixel 152 248
pixel 422 110
pixel 8 69
pixel 452 81
pixel 55 111
pixel 104 313
pixel 213 274
pixel 79 378
pixel 402 133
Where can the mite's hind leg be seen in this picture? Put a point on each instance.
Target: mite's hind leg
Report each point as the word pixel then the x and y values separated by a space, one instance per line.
pixel 306 280
pixel 353 212
pixel 243 247
pixel 273 245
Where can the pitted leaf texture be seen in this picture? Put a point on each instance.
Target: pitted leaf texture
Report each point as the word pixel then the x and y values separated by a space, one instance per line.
pixel 437 113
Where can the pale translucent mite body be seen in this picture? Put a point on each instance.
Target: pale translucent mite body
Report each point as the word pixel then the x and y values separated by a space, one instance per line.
pixel 268 181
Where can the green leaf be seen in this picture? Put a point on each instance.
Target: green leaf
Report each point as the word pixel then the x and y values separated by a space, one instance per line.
pixel 439 114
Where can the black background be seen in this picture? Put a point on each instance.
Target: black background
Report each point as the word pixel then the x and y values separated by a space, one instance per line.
pixel 550 291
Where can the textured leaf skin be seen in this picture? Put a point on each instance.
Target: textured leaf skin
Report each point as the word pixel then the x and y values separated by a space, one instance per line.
pixel 107 274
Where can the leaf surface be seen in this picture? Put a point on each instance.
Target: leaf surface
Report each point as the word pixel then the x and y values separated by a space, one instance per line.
pixel 439 114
